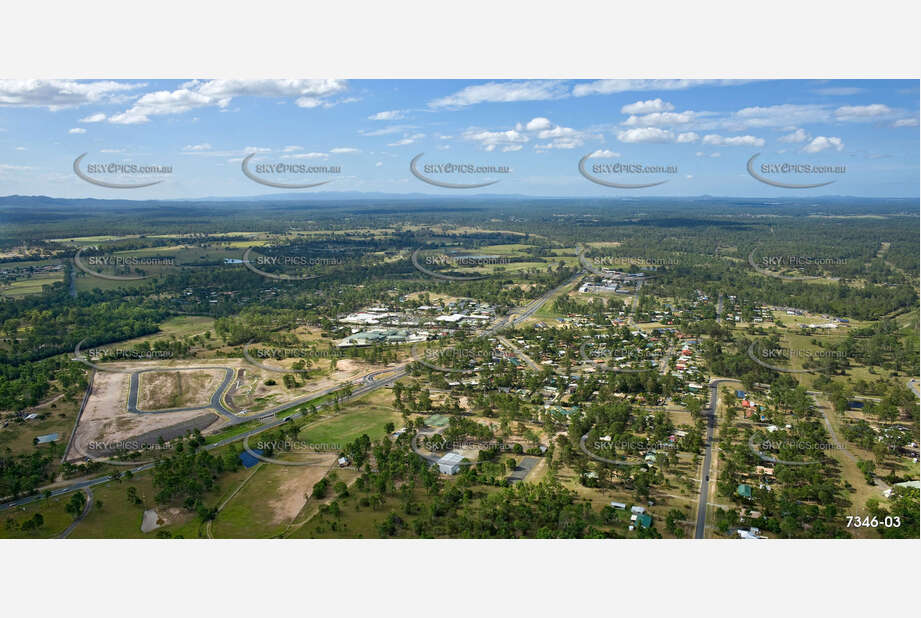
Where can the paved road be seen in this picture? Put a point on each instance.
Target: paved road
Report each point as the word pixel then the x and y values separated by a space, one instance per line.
pixel 527 359
pixel 83 514
pixel 531 308
pixel 710 412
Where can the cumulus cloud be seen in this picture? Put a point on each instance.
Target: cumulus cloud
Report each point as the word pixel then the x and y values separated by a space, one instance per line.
pixel 906 122
pixel 393 114
pixel 610 86
pixel 94 118
pixel 604 154
pixel 55 94
pixel 738 140
pixel 647 107
pixel 76 131
pixel 796 137
pixel 862 112
pixel 489 140
pixel 649 135
pixel 220 92
pixel 660 119
pixel 687 138
pixel 504 92
pixel 344 150
pixel 821 143
pixel 407 139
pixel 197 147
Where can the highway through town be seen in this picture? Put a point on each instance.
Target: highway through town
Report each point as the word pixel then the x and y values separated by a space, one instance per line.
pixel 710 412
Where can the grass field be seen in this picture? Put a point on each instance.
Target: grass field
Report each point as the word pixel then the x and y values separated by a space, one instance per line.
pixel 356 419
pixel 32 285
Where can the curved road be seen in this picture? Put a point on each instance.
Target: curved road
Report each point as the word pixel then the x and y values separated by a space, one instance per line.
pixel 217 398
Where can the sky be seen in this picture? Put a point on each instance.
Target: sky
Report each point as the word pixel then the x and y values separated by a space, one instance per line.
pixel 696 135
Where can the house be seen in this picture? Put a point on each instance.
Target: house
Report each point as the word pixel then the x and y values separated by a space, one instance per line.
pixel 637 510
pixel 619 505
pixel 450 463
pixel 45 439
pixel 343 462
pixel 744 490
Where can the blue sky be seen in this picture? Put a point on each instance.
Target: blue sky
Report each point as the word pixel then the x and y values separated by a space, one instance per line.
pixel 707 129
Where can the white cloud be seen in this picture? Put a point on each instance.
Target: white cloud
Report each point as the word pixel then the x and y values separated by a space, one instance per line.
pixel 393 114
pixel 344 150
pixel 738 140
pixel 712 155
pixel 56 94
pixel 512 148
pixel 76 131
pixel 647 107
pixel 604 154
pixel 489 140
pixel 647 135
pixel 687 138
pixel 94 118
pixel 197 147
pixel 396 128
pixel 796 137
pixel 291 148
pixel 776 116
pixel 610 86
pixel 536 124
pixel 379 164
pixel 660 119
pixel 219 93
pixel 504 92
pixel 306 155
pixel 408 139
pixel 821 143
pixel 862 112
pixel 906 122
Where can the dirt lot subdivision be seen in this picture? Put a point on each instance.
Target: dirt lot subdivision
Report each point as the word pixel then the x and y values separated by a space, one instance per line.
pixel 163 390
